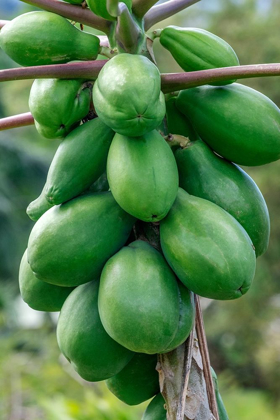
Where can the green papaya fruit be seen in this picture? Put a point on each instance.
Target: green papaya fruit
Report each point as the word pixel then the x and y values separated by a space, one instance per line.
pixel 143 175
pixel 37 294
pixel 177 122
pixel 127 95
pixel 204 174
pixel 138 381
pixel 196 49
pixel 83 340
pixel 207 248
pixel 58 106
pixel 99 7
pixel 239 123
pixel 78 162
pixel 221 408
pixel 139 299
pixel 155 410
pixel 38 207
pixel 38 38
pixel 70 243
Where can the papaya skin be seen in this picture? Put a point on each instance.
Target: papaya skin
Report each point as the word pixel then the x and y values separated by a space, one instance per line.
pixel 177 122
pixel 155 410
pixel 99 8
pixel 196 49
pixel 83 340
pixel 37 294
pixel 70 243
pixel 207 248
pixel 143 175
pixel 58 106
pixel 129 108
pixel 38 207
pixel 206 175
pixel 137 382
pixel 237 122
pixel 38 38
pixel 150 303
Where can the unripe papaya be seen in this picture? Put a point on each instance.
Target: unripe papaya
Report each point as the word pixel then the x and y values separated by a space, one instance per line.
pixel 58 106
pixel 83 340
pixel 207 248
pixel 143 175
pixel 155 410
pixel 38 38
pixel 177 122
pixel 37 294
pixel 239 123
pixel 38 207
pixel 138 381
pixel 99 7
pixel 78 162
pixel 220 404
pixel 70 243
pixel 127 95
pixel 204 174
pixel 139 299
pixel 196 49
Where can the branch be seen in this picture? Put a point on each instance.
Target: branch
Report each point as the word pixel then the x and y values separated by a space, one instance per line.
pixel 178 81
pixel 127 31
pixel 205 359
pixel 87 70
pixel 20 120
pixel 165 10
pixel 3 23
pixel 75 13
pixel 140 7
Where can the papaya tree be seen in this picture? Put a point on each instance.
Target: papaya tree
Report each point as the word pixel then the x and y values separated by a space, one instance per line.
pixel 144 208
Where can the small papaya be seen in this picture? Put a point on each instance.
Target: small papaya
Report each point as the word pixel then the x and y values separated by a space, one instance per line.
pixel 70 243
pixel 239 123
pixel 38 38
pixel 58 106
pixel 196 49
pixel 204 174
pixel 83 340
pixel 37 294
pixel 78 162
pixel 38 207
pixel 127 95
pixel 138 381
pixel 99 7
pixel 207 248
pixel 150 303
pixel 143 175
pixel 221 407
pixel 156 410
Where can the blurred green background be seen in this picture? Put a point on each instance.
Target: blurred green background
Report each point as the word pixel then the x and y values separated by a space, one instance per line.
pixel 244 335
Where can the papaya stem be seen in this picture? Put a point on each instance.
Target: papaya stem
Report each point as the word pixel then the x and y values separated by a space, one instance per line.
pixel 3 23
pixel 165 10
pixel 176 140
pixel 73 12
pixel 154 34
pixel 140 7
pixel 178 81
pixel 205 359
pixel 108 52
pixel 128 32
pixel 21 120
pixel 87 70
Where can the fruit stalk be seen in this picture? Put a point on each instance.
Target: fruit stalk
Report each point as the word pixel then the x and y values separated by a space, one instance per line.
pixel 75 13
pixel 20 120
pixel 128 32
pixel 165 10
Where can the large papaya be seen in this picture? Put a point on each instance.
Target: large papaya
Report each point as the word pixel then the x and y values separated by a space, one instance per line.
pixel 204 174
pixel 239 123
pixel 127 95
pixel 143 175
pixel 139 299
pixel 220 404
pixel 138 381
pixel 196 49
pixel 207 248
pixel 99 7
pixel 78 162
pixel 37 294
pixel 38 38
pixel 70 243
pixel 83 340
pixel 58 106
pixel 155 410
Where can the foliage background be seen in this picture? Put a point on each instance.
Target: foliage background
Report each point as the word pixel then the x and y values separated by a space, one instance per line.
pixel 244 335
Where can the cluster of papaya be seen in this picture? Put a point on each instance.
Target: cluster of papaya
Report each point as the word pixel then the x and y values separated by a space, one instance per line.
pixel 142 158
